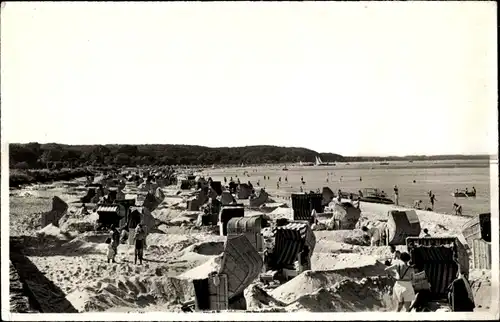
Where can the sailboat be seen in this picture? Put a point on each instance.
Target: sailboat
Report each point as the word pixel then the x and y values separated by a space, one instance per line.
pixel 321 163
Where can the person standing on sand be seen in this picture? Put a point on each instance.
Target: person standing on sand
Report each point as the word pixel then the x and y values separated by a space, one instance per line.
pixel 403 291
pixel 115 240
pixel 139 243
pixel 458 209
pixel 286 179
pixel 432 200
pixel 396 195
pixel 339 196
pixel 426 232
pixel 111 252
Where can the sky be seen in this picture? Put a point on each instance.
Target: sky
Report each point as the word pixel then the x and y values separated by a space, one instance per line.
pixel 349 78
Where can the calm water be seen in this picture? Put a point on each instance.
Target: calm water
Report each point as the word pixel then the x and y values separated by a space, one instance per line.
pixel 428 176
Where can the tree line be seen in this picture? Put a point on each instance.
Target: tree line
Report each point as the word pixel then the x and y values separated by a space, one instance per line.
pixel 35 155
pixel 58 156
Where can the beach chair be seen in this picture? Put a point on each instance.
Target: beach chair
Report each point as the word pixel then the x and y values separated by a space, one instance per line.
pixel 440 258
pixel 293 248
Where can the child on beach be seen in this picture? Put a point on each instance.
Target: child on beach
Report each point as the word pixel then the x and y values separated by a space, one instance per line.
pixel 111 250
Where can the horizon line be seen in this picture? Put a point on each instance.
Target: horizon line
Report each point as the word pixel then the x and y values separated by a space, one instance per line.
pixel 271 145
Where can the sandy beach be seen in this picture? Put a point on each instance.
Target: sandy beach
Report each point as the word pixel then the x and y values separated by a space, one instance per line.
pixel 346 275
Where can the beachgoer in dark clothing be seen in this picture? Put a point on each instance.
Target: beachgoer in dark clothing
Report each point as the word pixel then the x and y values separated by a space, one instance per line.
pixel 433 199
pixel 115 240
pixel 339 196
pixel 286 179
pixel 458 209
pixel 396 195
pixel 225 180
pixel 139 243
pixel 460 295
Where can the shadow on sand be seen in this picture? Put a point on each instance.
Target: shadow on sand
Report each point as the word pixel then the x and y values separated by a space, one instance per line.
pixel 44 295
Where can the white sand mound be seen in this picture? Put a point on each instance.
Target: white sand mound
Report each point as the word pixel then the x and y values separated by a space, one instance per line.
pixel 25 194
pixel 53 231
pixel 166 214
pixel 258 299
pixel 81 246
pixel 352 237
pixel 321 261
pixel 368 294
pixel 305 283
pixel 311 281
pixel 281 212
pixel 169 242
pixel 204 270
pixel 135 292
pixel 209 248
pixel 78 222
pixel 186 217
pixel 269 207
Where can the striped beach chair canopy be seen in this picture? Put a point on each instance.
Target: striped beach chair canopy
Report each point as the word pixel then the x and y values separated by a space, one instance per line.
pixel 291 239
pixel 241 263
pixel 441 258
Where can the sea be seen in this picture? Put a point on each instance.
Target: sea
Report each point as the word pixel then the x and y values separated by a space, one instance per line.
pixel 413 179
